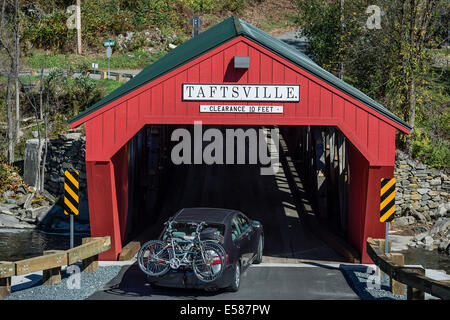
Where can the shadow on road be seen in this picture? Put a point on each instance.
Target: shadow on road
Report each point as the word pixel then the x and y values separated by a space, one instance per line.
pixel 132 283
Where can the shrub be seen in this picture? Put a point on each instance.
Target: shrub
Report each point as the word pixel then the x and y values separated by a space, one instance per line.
pixel 433 153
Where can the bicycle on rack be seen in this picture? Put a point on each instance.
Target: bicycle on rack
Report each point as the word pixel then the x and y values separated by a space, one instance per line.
pixel 206 257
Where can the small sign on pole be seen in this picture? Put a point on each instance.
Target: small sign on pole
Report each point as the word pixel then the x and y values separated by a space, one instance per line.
pixel 108 43
pixel 195 23
pixel 71 199
pixel 387 205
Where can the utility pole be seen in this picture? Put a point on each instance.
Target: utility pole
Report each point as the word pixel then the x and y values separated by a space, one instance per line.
pixel 78 25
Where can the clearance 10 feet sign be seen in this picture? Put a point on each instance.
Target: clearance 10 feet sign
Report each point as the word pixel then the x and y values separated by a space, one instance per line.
pixel 241 92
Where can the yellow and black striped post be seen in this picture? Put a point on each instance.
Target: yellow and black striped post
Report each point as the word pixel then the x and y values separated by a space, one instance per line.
pixel 71 199
pixel 387 200
pixel 71 196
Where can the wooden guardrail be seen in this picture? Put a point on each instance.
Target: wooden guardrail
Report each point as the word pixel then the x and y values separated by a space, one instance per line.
pixel 414 278
pixel 51 262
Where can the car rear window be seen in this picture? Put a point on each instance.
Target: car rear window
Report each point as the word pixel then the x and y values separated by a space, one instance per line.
pixel 187 231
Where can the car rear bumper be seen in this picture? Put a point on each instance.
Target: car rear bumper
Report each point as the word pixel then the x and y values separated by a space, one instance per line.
pixel 188 279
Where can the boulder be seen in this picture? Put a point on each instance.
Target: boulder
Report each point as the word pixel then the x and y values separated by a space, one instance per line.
pixel 440 227
pixel 404 221
pixel 417 215
pixel 8 207
pixel 8 221
pixel 33 213
pixel 443 244
pixel 69 136
pixel 428 240
pixel 420 236
pixel 441 210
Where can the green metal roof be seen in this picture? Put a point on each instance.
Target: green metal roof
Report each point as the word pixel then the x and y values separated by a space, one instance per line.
pixel 220 34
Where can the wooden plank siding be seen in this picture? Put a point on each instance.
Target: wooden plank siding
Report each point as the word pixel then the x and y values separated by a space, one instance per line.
pixel 160 101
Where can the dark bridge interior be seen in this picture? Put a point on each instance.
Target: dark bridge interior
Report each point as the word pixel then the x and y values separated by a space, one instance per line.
pixel 311 181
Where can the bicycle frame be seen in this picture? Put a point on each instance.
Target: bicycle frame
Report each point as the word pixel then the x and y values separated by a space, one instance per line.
pixel 181 259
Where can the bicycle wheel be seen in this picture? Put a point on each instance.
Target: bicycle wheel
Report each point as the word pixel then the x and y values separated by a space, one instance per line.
pixel 209 263
pixel 153 258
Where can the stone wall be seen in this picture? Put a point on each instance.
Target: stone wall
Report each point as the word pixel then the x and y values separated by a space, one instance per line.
pixel 423 207
pixel 67 152
pixel 418 187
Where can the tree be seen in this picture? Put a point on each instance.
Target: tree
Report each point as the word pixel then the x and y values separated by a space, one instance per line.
pixel 388 62
pixel 9 29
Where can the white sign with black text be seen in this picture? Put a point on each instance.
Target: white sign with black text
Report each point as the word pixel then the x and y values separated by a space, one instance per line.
pixel 240 109
pixel 241 92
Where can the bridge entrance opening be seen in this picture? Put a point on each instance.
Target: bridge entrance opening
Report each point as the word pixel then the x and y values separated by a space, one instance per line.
pixel 305 177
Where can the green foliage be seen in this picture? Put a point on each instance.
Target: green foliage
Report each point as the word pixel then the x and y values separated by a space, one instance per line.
pixel 69 96
pixel 201 6
pixel 101 19
pixel 390 64
pixel 49 31
pixel 433 153
pixel 9 178
pixel 234 5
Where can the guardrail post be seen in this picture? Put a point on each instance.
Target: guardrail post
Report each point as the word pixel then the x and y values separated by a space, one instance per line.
pixel 90 264
pixel 53 275
pixel 397 287
pixel 103 75
pixel 7 269
pixel 5 287
pixel 413 293
pixel 119 77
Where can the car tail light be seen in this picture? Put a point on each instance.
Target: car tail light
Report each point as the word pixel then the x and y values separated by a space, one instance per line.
pixel 217 260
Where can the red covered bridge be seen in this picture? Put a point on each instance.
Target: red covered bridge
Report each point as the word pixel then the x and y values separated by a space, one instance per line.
pixel 155 96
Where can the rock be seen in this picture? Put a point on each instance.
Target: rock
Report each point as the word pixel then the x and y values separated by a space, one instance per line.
pixel 8 194
pixel 422 190
pixel 419 216
pixel 415 196
pixel 428 240
pixel 33 213
pixel 28 200
pixel 48 196
pixel 443 244
pixel 419 229
pixel 420 236
pixel 440 227
pixel 8 206
pixel 8 221
pixel 435 182
pixel 22 189
pixel 404 221
pixel 11 201
pixel 441 211
pixel 69 136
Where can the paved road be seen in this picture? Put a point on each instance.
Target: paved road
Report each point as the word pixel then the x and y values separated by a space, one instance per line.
pixel 262 282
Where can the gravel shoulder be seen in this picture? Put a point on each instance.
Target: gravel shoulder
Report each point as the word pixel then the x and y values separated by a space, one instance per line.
pixel 30 287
